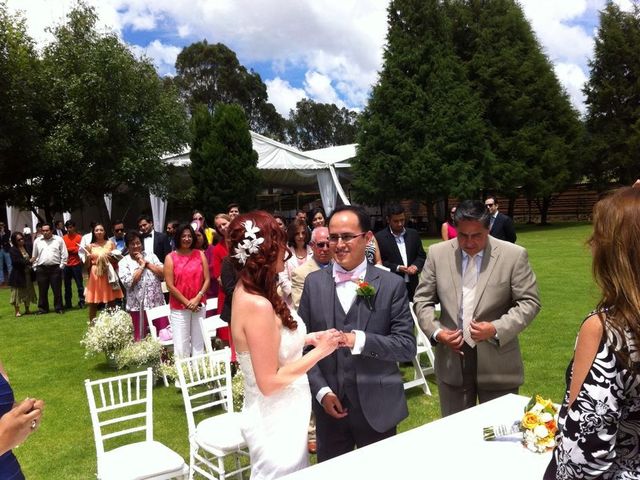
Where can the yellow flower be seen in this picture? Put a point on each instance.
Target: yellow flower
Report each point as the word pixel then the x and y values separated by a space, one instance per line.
pixel 530 420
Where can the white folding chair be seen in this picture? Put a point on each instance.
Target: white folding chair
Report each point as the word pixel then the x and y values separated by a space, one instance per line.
pixel 206 383
pixel 123 405
pixel 211 323
pixel 153 314
pixel 423 346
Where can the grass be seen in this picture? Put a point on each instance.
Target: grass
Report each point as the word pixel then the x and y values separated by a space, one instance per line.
pixel 44 359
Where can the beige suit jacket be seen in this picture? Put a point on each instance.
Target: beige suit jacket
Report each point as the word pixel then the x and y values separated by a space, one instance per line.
pixel 506 294
pixel 297 279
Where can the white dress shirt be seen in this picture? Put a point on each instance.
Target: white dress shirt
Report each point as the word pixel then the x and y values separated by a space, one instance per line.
pixel 148 242
pixel 403 250
pixel 50 252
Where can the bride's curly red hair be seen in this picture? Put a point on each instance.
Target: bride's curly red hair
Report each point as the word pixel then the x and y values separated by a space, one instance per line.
pixel 258 274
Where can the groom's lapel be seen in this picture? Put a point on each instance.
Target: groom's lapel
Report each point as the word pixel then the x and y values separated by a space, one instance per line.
pixel 372 277
pixel 328 297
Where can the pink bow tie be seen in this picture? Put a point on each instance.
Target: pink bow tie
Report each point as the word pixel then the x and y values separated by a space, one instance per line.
pixel 342 277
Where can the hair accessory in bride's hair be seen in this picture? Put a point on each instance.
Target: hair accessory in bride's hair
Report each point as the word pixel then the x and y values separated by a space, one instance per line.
pixel 250 243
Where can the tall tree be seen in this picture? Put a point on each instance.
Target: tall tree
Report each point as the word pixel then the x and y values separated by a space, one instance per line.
pixel 421 135
pixel 613 97
pixel 533 130
pixel 315 125
pixel 21 105
pixel 109 120
pixel 211 74
pixel 223 162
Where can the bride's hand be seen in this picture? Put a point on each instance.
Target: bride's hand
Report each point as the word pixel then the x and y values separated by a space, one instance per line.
pixel 328 341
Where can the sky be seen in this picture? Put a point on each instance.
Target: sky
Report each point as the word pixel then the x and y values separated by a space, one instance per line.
pixel 326 50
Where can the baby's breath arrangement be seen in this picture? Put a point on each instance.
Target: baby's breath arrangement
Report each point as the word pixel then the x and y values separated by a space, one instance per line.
pixel 237 390
pixel 111 332
pixel 142 354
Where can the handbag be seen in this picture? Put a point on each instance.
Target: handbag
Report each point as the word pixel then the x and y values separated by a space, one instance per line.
pixel 112 277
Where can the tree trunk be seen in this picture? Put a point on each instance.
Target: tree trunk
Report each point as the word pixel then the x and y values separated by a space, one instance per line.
pixel 544 210
pixel 431 219
pixel 512 206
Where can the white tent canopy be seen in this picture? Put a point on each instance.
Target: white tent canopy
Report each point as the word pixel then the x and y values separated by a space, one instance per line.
pixel 285 166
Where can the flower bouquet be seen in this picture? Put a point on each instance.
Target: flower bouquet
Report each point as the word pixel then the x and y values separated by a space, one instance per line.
pixel 111 332
pixel 538 426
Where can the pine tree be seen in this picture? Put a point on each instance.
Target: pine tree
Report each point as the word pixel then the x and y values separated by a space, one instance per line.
pixel 534 132
pixel 613 98
pixel 421 135
pixel 223 163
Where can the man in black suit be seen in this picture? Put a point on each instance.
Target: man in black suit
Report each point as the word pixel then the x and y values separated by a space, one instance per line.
pixel 401 249
pixel 156 242
pixel 501 226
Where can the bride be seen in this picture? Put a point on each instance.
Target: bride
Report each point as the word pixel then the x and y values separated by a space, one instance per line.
pixel 269 342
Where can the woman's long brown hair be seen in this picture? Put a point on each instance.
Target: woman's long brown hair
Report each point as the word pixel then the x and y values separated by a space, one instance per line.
pixel 615 245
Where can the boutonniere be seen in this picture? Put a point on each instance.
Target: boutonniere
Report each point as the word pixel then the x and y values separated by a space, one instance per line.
pixel 367 292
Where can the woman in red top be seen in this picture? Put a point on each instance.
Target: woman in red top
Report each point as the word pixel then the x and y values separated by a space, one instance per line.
pixel 220 251
pixel 187 275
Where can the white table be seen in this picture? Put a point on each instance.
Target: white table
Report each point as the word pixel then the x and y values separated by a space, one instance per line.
pixel 449 448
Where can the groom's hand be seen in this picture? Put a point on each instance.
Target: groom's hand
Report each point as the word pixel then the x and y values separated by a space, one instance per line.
pixel 332 406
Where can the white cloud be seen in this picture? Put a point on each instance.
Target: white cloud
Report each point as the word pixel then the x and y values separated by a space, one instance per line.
pixel 283 96
pixel 337 44
pixel 319 88
pixel 573 78
pixel 163 56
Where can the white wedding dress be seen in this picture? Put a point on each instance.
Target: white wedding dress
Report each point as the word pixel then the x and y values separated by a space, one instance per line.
pixel 275 426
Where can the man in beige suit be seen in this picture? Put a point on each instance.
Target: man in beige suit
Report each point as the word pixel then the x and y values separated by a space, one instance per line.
pixel 488 295
pixel 321 259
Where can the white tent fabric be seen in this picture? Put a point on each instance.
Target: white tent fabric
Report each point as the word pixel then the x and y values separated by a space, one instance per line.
pixel 158 212
pixel 285 166
pixel 17 219
pixel 108 201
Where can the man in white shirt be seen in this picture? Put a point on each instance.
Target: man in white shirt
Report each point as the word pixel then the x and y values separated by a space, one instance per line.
pixel 358 390
pixel 49 259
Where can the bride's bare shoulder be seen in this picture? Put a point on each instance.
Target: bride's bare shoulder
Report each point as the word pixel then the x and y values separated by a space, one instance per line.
pixel 251 302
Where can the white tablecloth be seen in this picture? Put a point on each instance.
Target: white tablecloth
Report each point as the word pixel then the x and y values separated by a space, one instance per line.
pixel 451 448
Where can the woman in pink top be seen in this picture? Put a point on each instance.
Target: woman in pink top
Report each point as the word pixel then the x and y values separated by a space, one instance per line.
pixel 187 275
pixel 448 230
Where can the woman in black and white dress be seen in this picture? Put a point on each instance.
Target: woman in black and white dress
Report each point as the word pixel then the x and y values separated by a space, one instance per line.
pixel 599 422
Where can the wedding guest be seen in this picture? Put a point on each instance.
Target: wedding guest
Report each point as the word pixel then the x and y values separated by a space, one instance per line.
pixel 49 259
pixel 599 422
pixel 501 225
pixel 448 230
pixel 73 268
pixel 5 257
pixel 220 252
pixel 171 231
pixel 281 221
pixel 59 228
pixel 17 422
pixel 198 217
pixel 20 279
pixel 277 401
pixel 118 236
pixel 103 285
pixel 300 251
pixel 156 242
pixel 321 259
pixel 318 218
pixel 488 295
pixel 208 249
pixel 372 252
pixel 187 276
pixel 141 274
pixel 233 210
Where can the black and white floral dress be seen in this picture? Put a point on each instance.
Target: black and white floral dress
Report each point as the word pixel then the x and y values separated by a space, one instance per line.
pixel 599 436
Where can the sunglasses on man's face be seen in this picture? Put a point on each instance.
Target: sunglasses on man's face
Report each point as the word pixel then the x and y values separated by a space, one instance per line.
pixel 322 244
pixel 197 218
pixel 118 230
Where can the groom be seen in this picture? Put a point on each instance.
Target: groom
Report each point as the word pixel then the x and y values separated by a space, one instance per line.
pixel 358 390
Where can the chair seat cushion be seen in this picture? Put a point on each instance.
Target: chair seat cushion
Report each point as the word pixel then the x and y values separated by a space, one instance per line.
pixel 221 432
pixel 140 460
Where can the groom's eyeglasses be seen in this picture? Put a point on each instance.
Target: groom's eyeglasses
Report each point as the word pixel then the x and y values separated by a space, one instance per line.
pixel 345 237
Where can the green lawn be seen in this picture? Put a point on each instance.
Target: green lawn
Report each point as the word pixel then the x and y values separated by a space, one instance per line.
pixel 43 357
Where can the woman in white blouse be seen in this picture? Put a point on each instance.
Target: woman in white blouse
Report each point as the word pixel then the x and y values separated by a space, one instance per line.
pixel 141 274
pixel 299 236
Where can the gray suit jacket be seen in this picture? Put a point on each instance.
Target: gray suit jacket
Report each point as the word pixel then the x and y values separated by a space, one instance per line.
pixel 389 339
pixel 506 294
